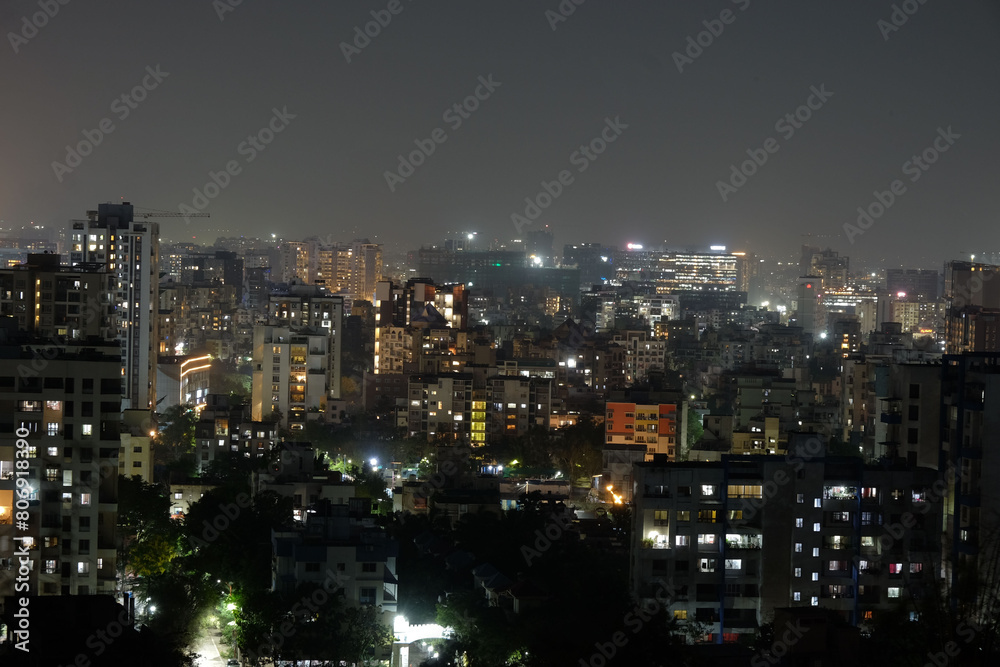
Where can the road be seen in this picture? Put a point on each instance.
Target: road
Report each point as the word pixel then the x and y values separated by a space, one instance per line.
pixel 207 648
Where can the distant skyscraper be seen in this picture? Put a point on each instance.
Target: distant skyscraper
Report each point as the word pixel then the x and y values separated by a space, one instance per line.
pixel 131 252
pixel 914 282
pixel 808 313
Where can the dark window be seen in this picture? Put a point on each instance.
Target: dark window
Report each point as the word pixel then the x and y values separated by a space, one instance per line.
pixel 911 436
pixel 70 385
pixel 914 391
pixel 368 567
pixel 111 386
pixel 312 567
pixel 87 409
pixel 914 413
pixel 88 385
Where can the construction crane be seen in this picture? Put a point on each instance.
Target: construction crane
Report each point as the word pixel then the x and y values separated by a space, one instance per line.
pixel 146 213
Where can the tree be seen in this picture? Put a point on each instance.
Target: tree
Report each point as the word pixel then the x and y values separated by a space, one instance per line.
pixel 362 635
pixel 695 431
pixel 149 536
pixel 141 505
pixel 152 555
pixel 577 449
pixel 174 445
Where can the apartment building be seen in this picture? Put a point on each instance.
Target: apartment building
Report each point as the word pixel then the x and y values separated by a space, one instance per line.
pixel 970 436
pixel 57 302
pixel 654 426
pixel 291 374
pixel 135 455
pixel 745 536
pixel 129 251
pixel 339 545
pixel 225 427
pixel 472 408
pixel 65 401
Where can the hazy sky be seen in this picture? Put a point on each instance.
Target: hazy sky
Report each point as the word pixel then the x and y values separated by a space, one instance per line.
pixel 324 172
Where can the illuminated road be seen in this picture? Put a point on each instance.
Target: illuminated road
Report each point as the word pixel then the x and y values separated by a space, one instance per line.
pixel 207 648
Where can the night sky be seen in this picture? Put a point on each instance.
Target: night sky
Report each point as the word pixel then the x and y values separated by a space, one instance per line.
pixel 324 172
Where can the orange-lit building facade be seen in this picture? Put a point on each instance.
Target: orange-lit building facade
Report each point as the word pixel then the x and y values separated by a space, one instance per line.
pixel 654 426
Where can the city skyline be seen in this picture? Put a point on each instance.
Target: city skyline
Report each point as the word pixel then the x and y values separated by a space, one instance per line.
pixel 613 123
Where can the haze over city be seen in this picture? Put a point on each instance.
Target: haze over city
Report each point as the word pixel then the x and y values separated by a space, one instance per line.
pixel 230 65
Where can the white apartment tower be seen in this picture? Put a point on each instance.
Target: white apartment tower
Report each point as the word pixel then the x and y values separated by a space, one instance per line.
pixel 130 250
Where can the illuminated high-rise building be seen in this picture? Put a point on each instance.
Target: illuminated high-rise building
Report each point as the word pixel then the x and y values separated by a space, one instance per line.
pixel 130 252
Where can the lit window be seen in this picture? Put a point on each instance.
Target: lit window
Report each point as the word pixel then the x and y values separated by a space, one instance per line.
pixel 816 527
pixel 894 591
pixel 798 572
pixel 817 503
pixel 800 498
pixel 84 498
pixel 681 540
pixel 797 596
pixel 815 576
pixel 798 522
pixel 86 429
pixel 815 552
pixel 798 547
pixel 814 601
pixel 708 489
